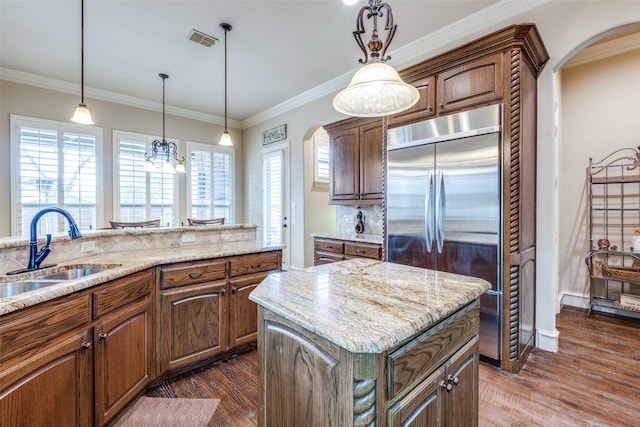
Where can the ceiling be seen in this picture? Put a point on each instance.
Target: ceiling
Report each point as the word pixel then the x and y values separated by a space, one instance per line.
pixel 276 50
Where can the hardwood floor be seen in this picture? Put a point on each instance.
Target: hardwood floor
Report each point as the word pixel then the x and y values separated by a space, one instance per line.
pixel 593 380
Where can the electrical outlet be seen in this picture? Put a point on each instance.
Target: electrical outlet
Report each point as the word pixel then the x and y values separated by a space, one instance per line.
pixel 188 237
pixel 87 246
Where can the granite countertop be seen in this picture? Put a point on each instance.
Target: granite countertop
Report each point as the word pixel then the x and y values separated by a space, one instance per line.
pixel 364 238
pixel 363 305
pixel 121 264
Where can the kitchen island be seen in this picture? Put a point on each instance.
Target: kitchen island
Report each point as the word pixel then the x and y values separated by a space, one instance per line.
pixel 363 342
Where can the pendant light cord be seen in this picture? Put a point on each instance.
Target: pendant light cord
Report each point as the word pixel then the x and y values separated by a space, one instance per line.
pixel 82 52
pixel 226 30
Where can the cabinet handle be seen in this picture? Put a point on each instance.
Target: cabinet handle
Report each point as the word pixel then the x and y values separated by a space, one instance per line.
pixel 328 247
pixel 360 251
pixel 441 105
pixel 103 336
pixel 256 265
pixel 85 346
pixel 447 387
pixel 222 292
pixel 233 290
pixel 453 379
pixel 195 275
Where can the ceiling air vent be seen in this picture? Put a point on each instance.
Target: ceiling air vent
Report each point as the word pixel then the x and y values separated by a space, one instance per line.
pixel 202 38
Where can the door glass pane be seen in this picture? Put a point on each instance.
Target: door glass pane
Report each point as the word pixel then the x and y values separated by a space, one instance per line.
pixel 272 184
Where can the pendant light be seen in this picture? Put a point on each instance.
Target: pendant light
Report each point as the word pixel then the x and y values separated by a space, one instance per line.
pixel 163 153
pixel 376 89
pixel 82 114
pixel 225 138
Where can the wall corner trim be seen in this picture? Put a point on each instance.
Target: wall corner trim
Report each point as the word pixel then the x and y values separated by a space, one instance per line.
pixel 547 340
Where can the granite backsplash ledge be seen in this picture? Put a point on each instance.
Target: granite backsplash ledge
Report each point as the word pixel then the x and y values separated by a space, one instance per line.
pixel 14 252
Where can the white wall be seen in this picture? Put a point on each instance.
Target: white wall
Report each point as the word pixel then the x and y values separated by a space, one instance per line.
pixel 600 115
pixel 47 104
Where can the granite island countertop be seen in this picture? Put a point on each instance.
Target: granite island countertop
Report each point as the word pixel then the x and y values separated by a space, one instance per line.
pixel 363 305
pixel 120 264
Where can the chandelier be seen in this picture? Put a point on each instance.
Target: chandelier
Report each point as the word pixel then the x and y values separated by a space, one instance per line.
pixel 376 89
pixel 163 153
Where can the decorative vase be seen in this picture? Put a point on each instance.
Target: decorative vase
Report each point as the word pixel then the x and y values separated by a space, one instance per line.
pixel 359 222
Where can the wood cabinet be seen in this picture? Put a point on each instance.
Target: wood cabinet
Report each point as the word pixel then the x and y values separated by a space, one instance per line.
pixel 124 344
pixel 432 380
pixel 80 358
pixel 500 68
pixel 205 307
pixel 332 250
pixel 447 397
pixel 355 162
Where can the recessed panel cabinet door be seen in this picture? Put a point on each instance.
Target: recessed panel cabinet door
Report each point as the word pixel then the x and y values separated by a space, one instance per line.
pixel 244 312
pixel 195 324
pixel 123 358
pixel 344 165
pixel 53 389
pixel 422 407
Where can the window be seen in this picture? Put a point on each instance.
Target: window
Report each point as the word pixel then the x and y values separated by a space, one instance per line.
pixel 210 182
pixel 141 195
pixel 321 160
pixel 55 165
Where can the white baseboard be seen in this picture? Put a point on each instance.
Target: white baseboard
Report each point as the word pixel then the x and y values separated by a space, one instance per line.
pixel 574 299
pixel 547 340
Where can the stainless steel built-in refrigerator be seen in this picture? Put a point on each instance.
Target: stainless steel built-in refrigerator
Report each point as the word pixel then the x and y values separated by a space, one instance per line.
pixel 443 204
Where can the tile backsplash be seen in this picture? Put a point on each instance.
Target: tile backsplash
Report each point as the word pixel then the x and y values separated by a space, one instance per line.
pixel 346 219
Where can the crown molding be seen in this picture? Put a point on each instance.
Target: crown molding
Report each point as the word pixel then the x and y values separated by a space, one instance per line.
pixel 604 50
pixel 35 80
pixel 414 52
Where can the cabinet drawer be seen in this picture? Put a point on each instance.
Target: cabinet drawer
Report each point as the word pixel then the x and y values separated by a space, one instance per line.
pixel 329 246
pixel 32 328
pixel 419 357
pixel 326 258
pixel 121 292
pixel 362 250
pixel 189 273
pixel 254 263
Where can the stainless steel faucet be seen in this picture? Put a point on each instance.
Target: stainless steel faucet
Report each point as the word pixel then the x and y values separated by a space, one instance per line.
pixel 35 257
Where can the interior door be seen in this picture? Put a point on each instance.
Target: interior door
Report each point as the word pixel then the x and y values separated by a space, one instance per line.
pixel 275 198
pixel 410 201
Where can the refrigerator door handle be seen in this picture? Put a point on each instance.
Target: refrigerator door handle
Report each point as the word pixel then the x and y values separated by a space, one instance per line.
pixel 440 194
pixel 428 213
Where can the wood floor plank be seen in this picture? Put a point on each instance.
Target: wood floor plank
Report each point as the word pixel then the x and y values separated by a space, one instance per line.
pixel 593 380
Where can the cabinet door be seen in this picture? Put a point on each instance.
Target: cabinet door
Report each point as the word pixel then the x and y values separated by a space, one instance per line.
pixel 244 312
pixel 462 376
pixel 475 83
pixel 124 352
pixel 53 389
pixel 371 161
pixel 195 324
pixel 423 109
pixel 423 406
pixel 344 165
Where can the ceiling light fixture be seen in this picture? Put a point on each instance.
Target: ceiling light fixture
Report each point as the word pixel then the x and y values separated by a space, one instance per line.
pixel 82 114
pixel 376 89
pixel 163 152
pixel 225 138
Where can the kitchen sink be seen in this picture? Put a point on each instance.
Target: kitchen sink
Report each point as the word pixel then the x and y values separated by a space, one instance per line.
pixel 74 273
pixel 9 289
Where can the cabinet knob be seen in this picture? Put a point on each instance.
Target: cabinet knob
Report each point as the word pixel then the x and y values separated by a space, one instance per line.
pixel 430 108
pixel 453 379
pixel 447 387
pixel 233 290
pixel 222 292
pixel 103 336
pixel 441 105
pixel 85 346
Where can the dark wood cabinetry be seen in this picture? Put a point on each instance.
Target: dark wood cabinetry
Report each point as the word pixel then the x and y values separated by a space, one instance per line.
pixel 501 67
pixel 447 397
pixel 332 250
pixel 205 306
pixel 355 163
pixel 80 358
